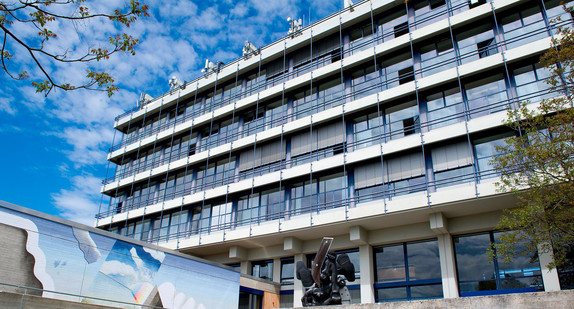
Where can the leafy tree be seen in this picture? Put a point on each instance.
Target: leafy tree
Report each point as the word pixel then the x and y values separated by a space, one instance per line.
pixel 538 165
pixel 45 17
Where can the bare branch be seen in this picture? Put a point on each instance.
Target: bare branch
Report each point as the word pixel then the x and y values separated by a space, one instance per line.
pixel 40 15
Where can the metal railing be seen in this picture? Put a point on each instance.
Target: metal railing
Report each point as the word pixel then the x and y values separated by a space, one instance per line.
pixel 498 105
pixel 311 205
pixel 313 63
pixel 32 291
pixel 471 55
pixel 384 134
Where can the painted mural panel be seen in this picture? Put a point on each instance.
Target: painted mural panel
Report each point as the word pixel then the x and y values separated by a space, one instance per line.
pixel 94 268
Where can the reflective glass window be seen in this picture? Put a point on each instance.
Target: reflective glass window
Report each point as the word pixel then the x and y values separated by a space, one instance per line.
pixel 478 275
pixel 408 271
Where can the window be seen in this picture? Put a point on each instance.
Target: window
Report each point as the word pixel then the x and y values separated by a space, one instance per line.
pixel 236 267
pixel 444 108
pixel 255 81
pixel 325 141
pixel 327 50
pixel 476 41
pixel 361 32
pixel 407 271
pixel 364 81
pixel 401 29
pixel 194 218
pixel 221 216
pixel 475 3
pixel 361 37
pixel 250 298
pixel 254 121
pixel 393 23
pixel 183 183
pixel 402 120
pixel 272 203
pixel 478 276
pixel 396 69
pixel 523 25
pixel 437 56
pixel 486 48
pixel 428 11
pixel 275 69
pixel 531 83
pixel 330 93
pixel 367 130
pixel 355 292
pixel 263 159
pixel 452 164
pixel 405 174
pixel 205 177
pixel 301 61
pixel 287 271
pixel 369 182
pixel 275 114
pixel 167 226
pixel 215 174
pixel 262 269
pixel 325 192
pixel 354 257
pixel 247 209
pixel 219 133
pixel 303 197
pixel 332 191
pixel 286 299
pixel 554 9
pixel 566 272
pixel 485 149
pixel 487 95
pixel 406 75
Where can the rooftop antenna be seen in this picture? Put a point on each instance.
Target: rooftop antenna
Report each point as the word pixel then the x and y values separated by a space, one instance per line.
pixel 294 27
pixel 144 99
pixel 249 49
pixel 211 67
pixel 175 83
pixel 349 4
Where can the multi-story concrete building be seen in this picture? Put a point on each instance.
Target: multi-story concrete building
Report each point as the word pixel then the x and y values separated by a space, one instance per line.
pixel 374 126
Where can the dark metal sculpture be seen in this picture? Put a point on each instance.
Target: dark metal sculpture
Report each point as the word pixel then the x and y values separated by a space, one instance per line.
pixel 326 280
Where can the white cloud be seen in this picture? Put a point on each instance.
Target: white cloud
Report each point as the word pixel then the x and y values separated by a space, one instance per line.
pixel 158 255
pixel 175 40
pixel 6 106
pixel 117 268
pixel 80 203
pixel 89 144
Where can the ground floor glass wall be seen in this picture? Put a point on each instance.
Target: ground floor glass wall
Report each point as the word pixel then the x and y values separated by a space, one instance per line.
pixel 407 271
pixel 477 275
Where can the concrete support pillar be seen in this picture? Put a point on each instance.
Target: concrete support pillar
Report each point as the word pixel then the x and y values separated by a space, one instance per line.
pixel 298 289
pixel 245 267
pixel 367 274
pixel 292 245
pixel 549 276
pixel 447 266
pixel 439 225
pixel 277 270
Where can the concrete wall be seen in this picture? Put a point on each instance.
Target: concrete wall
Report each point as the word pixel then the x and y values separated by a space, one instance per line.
pixel 554 300
pixel 65 261
pixel 20 301
pixel 16 263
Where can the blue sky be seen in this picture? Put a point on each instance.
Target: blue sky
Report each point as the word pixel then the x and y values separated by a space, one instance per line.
pixel 53 149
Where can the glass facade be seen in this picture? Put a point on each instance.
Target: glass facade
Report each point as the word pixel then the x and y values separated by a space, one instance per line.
pixel 437 106
pixel 262 269
pixel 407 271
pixel 478 275
pixel 283 140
